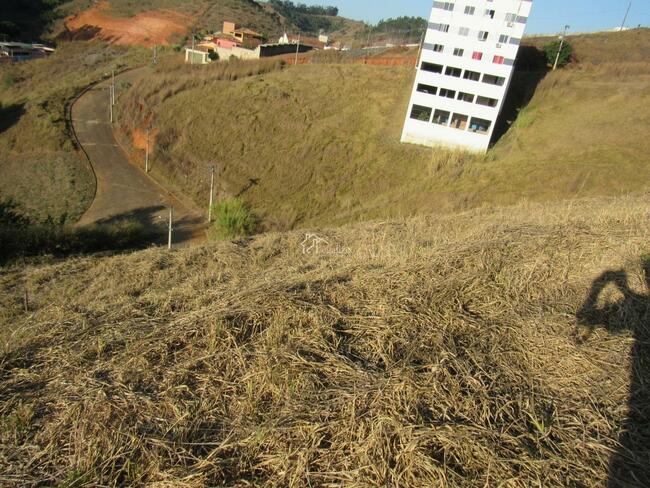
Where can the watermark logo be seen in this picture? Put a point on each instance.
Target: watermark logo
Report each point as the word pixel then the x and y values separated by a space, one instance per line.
pixel 314 244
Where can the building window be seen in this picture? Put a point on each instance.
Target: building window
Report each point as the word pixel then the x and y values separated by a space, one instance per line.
pixel 498 60
pixel 481 126
pixel 455 72
pixel 428 89
pixel 494 80
pixel 465 97
pixel 431 67
pixel 488 102
pixel 489 13
pixel 483 35
pixel 440 27
pixel 503 39
pixel 419 112
pixel 477 55
pixel 472 75
pixel 470 10
pixel 445 93
pixel 441 117
pixel 445 6
pixel 438 48
pixel 463 31
pixel 511 18
pixel 459 121
pixel 458 51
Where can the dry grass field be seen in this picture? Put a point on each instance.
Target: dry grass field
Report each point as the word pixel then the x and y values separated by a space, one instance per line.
pixel 319 144
pixel 39 167
pixel 487 348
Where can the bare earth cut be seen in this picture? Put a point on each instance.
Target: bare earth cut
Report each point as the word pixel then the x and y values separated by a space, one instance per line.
pixel 145 29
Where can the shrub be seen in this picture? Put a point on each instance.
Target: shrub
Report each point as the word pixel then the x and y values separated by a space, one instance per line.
pixel 233 218
pixel 8 80
pixel 10 214
pixel 551 50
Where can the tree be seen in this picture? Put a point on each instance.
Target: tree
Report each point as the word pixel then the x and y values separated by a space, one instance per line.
pixel 552 48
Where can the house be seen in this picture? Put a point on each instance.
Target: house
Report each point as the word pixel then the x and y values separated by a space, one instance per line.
pixel 464 73
pixel 197 56
pixel 18 51
pixel 243 35
pixel 312 42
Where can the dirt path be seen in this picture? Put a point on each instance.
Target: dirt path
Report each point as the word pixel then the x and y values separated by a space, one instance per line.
pixel 123 190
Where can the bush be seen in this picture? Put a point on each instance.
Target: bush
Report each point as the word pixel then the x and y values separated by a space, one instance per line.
pixel 10 213
pixel 551 50
pixel 233 218
pixel 8 80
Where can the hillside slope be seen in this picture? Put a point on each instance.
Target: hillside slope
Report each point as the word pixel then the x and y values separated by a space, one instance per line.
pixel 319 144
pixel 479 349
pixel 40 169
pixel 171 21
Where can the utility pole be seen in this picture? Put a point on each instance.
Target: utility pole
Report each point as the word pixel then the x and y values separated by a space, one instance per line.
pixel 171 227
pixel 211 194
pixel 192 62
pixel 627 12
pixel 146 153
pixel 417 60
pixel 113 88
pixel 559 51
pixel 297 50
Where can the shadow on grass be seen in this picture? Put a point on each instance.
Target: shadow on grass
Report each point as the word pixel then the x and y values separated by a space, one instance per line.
pixel 630 465
pixel 155 220
pixel 530 70
pixel 83 33
pixel 21 239
pixel 10 115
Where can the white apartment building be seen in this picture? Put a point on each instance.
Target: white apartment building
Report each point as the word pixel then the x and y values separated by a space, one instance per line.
pixel 464 73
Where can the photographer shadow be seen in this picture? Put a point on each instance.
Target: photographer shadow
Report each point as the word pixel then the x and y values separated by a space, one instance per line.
pixel 630 465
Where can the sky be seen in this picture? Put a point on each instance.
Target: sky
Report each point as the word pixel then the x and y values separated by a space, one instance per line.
pixel 548 16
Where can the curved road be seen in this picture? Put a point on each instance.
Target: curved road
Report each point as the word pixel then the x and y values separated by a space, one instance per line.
pixel 124 191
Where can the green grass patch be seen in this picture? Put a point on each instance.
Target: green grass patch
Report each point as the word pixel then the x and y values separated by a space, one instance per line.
pixel 233 218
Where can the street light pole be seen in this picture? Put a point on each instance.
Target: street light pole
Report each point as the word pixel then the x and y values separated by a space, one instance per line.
pixel 559 51
pixel 211 194
pixel 627 12
pixel 146 154
pixel 171 227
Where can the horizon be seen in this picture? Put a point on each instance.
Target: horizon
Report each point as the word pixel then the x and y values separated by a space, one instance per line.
pixel 583 16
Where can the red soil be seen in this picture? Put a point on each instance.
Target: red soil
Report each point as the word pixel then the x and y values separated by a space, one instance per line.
pixel 139 137
pixel 145 29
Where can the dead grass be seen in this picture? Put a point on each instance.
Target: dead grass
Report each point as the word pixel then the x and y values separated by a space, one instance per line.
pixel 437 351
pixel 319 144
pixel 39 167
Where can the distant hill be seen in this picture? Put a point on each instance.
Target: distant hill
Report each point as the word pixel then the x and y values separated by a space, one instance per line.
pixel 271 19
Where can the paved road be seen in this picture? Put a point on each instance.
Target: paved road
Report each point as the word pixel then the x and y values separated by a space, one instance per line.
pixel 123 190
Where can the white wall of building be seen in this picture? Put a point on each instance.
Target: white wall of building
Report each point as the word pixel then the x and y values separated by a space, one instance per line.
pixel 465 20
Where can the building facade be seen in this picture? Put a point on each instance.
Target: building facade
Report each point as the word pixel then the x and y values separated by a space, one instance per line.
pixel 464 72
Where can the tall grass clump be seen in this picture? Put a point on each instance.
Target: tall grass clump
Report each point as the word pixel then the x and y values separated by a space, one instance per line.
pixel 233 219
